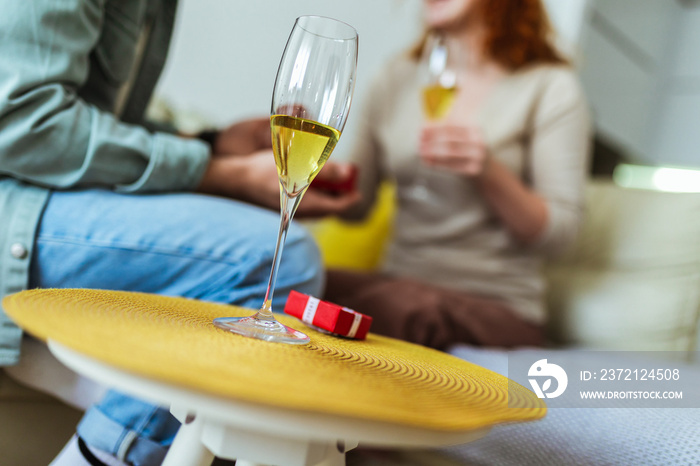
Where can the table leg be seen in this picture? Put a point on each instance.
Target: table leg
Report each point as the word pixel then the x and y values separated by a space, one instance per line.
pixel 332 456
pixel 258 448
pixel 187 448
pixel 325 454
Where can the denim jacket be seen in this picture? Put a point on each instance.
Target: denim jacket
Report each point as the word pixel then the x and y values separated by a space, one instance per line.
pixel 64 66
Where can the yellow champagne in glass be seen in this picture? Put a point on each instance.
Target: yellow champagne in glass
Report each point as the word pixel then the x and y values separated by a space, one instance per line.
pixel 301 148
pixel 437 100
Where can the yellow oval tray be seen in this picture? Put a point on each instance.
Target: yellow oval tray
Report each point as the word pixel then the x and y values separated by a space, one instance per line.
pixel 174 340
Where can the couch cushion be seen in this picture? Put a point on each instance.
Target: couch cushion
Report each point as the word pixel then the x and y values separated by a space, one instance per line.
pixel 632 280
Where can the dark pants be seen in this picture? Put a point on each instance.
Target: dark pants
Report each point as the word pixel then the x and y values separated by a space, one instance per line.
pixel 429 315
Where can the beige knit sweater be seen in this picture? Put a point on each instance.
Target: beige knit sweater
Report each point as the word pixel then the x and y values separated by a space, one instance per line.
pixel 535 121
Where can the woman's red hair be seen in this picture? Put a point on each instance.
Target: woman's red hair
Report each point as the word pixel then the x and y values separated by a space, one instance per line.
pixel 516 33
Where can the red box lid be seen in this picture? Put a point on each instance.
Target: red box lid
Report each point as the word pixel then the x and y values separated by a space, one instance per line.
pixel 328 316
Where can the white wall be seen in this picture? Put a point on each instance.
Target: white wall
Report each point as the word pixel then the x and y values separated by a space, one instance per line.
pixel 225 53
pixel 568 17
pixel 625 49
pixel 677 135
pixel 641 73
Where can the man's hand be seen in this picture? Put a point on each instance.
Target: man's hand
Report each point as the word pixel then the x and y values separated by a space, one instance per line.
pixel 336 178
pixel 460 149
pixel 245 137
pixel 254 179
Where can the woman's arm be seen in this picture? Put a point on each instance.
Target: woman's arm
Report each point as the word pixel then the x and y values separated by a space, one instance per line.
pixel 461 149
pixel 546 213
pixel 559 159
pixel 521 209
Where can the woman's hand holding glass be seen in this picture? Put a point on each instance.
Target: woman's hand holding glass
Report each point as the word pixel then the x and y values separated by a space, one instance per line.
pixel 439 65
pixel 460 149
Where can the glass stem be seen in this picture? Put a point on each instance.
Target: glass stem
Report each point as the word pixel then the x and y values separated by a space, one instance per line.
pixel 287 208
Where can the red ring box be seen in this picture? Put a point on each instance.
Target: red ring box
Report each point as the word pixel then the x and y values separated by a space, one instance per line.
pixel 333 318
pixel 337 187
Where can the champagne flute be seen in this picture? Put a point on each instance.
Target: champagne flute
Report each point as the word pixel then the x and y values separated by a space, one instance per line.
pixel 439 78
pixel 310 104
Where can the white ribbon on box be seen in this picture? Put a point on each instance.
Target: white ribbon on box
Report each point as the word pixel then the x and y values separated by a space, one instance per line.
pixel 355 322
pixel 310 310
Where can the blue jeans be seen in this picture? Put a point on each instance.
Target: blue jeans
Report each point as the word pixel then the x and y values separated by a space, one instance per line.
pixel 187 245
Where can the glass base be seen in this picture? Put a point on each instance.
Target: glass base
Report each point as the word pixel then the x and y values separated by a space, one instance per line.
pixel 268 330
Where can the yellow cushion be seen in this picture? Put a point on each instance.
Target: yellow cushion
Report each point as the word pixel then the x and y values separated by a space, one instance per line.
pixel 357 246
pixel 174 340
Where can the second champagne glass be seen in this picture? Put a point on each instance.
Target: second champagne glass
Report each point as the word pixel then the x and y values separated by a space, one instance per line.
pixel 438 75
pixel 310 104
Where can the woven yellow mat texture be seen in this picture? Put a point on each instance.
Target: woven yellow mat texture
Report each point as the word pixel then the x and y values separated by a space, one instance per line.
pixel 173 340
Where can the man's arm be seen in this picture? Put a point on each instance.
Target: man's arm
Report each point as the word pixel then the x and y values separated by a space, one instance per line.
pixel 51 137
